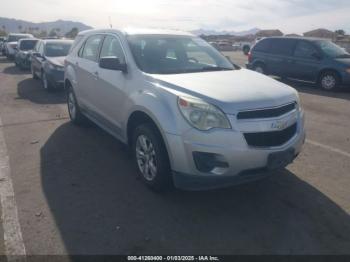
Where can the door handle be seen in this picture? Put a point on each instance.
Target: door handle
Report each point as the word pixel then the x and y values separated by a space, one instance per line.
pixel 76 63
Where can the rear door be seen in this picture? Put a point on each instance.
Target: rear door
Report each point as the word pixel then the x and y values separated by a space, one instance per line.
pixel 305 62
pixel 280 56
pixel 87 72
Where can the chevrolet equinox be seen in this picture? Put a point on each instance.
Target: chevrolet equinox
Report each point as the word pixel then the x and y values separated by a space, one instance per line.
pixel 191 117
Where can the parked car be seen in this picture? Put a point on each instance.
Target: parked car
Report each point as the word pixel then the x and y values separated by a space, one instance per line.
pixel 191 117
pixel 2 41
pixel 2 46
pixel 25 48
pixel 11 44
pixel 315 60
pixel 47 62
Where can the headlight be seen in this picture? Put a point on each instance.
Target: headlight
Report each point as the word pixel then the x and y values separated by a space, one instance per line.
pixel 56 67
pixel 202 115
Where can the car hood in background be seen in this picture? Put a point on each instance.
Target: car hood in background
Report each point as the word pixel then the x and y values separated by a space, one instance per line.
pixel 232 91
pixel 58 61
pixel 345 61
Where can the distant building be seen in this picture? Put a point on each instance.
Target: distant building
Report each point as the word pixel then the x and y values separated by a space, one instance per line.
pixel 321 33
pixel 269 33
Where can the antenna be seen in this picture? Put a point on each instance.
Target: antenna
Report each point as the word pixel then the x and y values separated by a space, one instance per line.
pixel 110 22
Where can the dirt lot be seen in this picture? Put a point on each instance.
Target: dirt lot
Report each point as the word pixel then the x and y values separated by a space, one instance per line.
pixel 77 191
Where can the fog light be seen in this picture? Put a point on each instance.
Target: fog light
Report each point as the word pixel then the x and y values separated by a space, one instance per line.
pixel 210 163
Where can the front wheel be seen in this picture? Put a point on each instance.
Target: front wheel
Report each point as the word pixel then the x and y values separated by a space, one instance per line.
pixel 33 73
pixel 151 157
pixel 46 84
pixel 329 81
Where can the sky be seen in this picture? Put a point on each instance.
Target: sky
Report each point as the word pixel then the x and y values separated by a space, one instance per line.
pixel 291 16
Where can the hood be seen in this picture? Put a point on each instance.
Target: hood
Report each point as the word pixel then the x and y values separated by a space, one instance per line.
pixel 58 61
pixel 231 91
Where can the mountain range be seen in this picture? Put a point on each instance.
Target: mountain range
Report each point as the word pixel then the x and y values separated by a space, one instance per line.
pixel 14 25
pixel 252 31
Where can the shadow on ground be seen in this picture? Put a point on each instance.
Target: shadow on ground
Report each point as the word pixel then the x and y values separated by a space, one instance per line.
pixel 32 90
pixel 100 207
pixel 313 89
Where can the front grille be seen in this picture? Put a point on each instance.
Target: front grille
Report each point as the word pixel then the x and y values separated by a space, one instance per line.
pixel 268 139
pixel 267 113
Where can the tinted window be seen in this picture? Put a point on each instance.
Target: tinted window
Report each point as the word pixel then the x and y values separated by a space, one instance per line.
pixel 57 49
pixel 27 45
pixel 15 38
pixel 263 45
pixel 175 54
pixel 304 50
pixel 282 46
pixel 332 50
pixel 91 47
pixel 111 47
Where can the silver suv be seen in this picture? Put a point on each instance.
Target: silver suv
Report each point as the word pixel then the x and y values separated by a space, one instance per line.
pixel 191 117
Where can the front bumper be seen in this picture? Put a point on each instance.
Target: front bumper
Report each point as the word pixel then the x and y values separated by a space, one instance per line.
pixel 56 78
pixel 245 163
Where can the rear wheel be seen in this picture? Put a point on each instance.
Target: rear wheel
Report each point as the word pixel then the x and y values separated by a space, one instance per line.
pixel 151 157
pixel 73 109
pixel 329 81
pixel 260 68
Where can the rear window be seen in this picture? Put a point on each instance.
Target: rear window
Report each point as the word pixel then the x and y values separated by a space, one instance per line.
pixel 27 45
pixel 263 45
pixel 282 46
pixel 57 49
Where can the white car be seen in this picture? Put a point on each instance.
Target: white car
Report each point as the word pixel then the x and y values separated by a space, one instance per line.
pixel 11 44
pixel 191 118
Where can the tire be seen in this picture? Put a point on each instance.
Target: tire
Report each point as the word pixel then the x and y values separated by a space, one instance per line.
pixel 329 81
pixel 148 150
pixel 46 83
pixel 75 114
pixel 33 73
pixel 260 68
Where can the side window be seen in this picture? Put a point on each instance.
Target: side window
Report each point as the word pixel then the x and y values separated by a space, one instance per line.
pixel 263 46
pixel 80 52
pixel 304 50
pixel 91 48
pixel 282 46
pixel 112 47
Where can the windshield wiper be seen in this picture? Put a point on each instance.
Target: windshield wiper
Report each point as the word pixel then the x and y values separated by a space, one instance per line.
pixel 215 68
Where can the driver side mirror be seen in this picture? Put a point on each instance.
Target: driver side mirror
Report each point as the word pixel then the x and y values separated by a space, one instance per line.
pixel 112 63
pixel 36 54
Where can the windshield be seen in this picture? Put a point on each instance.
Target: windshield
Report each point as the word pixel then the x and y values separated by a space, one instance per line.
pixel 332 50
pixel 15 38
pixel 57 49
pixel 157 54
pixel 27 45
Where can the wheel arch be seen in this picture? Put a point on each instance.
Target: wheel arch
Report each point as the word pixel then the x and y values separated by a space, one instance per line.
pixel 329 69
pixel 141 116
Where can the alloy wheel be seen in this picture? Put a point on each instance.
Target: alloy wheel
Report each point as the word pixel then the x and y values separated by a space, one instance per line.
pixel 146 158
pixel 71 105
pixel 328 82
